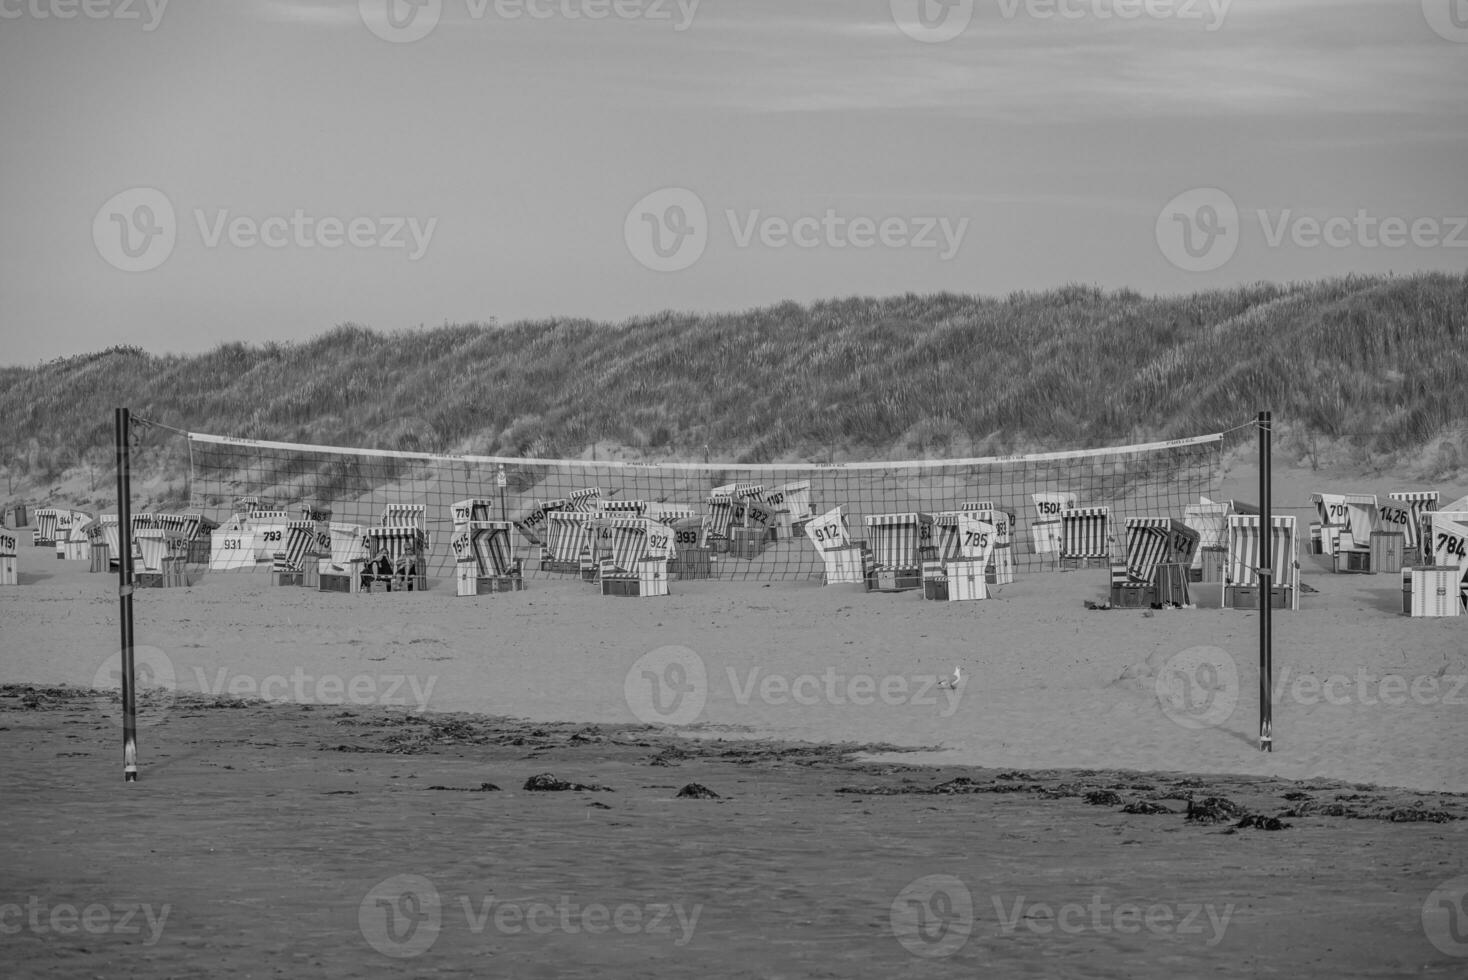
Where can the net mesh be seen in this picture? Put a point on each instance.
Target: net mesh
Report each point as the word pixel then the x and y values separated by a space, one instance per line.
pixel 752 519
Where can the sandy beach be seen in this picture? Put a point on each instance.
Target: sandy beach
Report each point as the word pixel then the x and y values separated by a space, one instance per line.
pixel 313 780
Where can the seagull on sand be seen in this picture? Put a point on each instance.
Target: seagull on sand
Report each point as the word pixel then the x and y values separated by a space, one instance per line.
pixel 951 683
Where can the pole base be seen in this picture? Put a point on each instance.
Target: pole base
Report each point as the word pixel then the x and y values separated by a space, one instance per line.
pixel 1266 744
pixel 130 774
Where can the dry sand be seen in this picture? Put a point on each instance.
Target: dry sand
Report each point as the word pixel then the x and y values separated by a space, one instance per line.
pixel 272 831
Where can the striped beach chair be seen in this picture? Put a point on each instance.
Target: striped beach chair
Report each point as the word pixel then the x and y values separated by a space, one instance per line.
pixel 791 503
pixel 1148 544
pixel 946 534
pixel 111 537
pixel 1405 514
pixel 396 558
pixel 585 499
pixel 162 553
pixel 1445 544
pixel 405 515
pixel 487 546
pixel 896 542
pixel 78 544
pixel 1347 520
pixel 1085 533
pixel 485 561
pixel 625 541
pixel 299 548
pixel 532 523
pixel 636 554
pixel 1245 551
pixel 43 535
pixel 568 533
pixel 672 514
pixel 472 510
pixel 621 508
pixel 722 517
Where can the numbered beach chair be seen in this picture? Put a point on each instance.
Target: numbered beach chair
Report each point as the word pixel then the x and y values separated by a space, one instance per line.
pixel 966 573
pixel 78 544
pixel 636 562
pixel 9 557
pixel 1404 514
pixel 484 559
pixel 1246 544
pixel 1046 528
pixel 1446 546
pixel 1001 560
pixel 585 499
pixel 297 563
pixel 846 563
pixel 791 504
pixel 162 555
pixel 1347 521
pixel 342 571
pixel 896 541
pixel 473 510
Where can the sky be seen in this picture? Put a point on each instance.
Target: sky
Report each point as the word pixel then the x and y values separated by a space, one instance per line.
pixel 183 174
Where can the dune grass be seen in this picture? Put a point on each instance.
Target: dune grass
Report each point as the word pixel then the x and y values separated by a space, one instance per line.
pixel 1354 367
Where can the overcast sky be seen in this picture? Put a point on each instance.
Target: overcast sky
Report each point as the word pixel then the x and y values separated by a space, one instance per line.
pixel 181 174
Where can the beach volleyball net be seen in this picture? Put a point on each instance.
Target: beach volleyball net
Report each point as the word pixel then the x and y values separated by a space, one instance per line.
pixel 756 522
